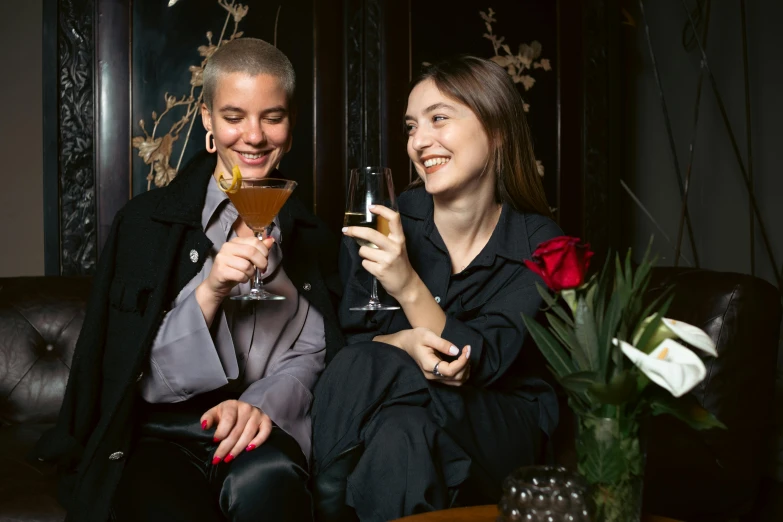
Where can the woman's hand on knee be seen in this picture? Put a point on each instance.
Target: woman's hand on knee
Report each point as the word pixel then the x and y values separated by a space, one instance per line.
pixel 239 427
pixel 425 347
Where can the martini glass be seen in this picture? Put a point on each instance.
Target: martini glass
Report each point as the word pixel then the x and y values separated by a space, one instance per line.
pixel 258 201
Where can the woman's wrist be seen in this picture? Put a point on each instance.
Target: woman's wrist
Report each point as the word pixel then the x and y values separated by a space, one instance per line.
pixel 395 339
pixel 411 292
pixel 208 301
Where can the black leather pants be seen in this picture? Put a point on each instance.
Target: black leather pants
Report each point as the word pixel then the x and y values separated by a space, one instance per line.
pixel 170 477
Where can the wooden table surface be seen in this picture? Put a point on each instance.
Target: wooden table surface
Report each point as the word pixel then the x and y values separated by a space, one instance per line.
pixel 484 514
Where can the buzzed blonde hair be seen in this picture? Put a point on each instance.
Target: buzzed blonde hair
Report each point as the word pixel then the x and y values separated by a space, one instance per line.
pixel 250 56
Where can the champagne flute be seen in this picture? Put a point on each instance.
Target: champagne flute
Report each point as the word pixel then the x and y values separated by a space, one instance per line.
pixel 370 186
pixel 258 201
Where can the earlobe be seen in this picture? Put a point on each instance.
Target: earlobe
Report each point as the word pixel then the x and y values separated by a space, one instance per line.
pixel 206 118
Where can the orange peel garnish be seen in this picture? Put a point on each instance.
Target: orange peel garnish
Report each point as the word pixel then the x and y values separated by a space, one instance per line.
pixel 236 180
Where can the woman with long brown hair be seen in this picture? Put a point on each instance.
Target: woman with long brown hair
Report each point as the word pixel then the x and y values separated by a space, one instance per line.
pixel 432 405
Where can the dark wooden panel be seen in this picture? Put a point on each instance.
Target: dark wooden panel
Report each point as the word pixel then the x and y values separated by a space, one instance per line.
pixel 76 124
pixel 112 114
pixel 570 188
pixel 328 129
pixel 601 37
pixel 398 74
pixel 364 80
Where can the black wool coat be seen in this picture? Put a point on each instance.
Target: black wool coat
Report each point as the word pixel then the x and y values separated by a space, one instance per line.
pixel 155 247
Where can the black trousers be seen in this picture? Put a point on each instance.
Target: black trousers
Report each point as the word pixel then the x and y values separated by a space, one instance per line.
pixel 424 446
pixel 169 477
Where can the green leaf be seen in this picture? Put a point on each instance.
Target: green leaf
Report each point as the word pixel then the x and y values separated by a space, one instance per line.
pixel 578 382
pixel 590 296
pixel 569 340
pixel 656 304
pixel 621 388
pixel 602 286
pixel 614 314
pixel 554 305
pixel 653 326
pixel 628 268
pixel 549 346
pixel 586 334
pixel 688 410
pixel 619 280
pixel 646 264
pixel 602 458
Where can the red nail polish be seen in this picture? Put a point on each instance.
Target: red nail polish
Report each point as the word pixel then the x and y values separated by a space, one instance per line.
pixel 216 461
pixel 250 447
pixel 228 458
pixel 203 425
pixel 215 439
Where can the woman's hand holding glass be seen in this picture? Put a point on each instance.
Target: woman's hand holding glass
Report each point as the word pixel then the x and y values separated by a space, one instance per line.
pixel 388 263
pixel 239 427
pixel 235 263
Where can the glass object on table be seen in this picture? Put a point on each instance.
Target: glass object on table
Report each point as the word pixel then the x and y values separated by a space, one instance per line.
pixel 544 494
pixel 370 186
pixel 258 201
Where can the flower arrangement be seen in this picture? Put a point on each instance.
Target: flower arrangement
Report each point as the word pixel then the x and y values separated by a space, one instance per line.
pixel 619 360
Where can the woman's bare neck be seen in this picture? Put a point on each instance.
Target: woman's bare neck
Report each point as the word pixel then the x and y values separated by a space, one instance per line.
pixel 466 226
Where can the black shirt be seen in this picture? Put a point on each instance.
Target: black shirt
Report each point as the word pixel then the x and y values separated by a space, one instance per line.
pixel 483 303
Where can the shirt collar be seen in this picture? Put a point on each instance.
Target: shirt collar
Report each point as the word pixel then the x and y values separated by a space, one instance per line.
pixel 510 239
pixel 215 199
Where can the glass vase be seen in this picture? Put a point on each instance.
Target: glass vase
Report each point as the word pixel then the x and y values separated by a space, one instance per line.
pixel 611 458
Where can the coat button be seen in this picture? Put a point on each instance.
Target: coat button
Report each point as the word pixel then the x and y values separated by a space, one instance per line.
pixel 117 455
pixel 306 287
pixel 437 299
pixel 194 256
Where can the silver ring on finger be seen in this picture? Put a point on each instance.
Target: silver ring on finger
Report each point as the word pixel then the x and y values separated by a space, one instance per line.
pixel 435 371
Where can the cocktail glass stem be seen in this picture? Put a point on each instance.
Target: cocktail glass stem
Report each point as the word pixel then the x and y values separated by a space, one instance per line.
pixel 374 301
pixel 258 284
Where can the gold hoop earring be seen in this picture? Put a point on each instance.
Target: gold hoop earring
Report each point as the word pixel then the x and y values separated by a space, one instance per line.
pixel 211 147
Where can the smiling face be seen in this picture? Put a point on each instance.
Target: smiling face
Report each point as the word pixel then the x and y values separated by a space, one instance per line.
pixel 446 142
pixel 251 122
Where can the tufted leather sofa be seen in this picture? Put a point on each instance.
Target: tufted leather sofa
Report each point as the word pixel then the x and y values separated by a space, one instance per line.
pixel 40 319
pixel 696 476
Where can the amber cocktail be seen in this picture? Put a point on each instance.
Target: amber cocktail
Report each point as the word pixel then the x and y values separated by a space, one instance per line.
pixel 258 201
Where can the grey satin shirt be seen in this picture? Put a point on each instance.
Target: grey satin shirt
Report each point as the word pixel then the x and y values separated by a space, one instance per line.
pixel 271 351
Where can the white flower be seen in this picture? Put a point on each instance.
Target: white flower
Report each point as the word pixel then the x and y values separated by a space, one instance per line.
pixel 671 329
pixel 692 335
pixel 670 365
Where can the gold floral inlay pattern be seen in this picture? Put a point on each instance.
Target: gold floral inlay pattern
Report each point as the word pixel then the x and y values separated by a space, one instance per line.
pixel 155 147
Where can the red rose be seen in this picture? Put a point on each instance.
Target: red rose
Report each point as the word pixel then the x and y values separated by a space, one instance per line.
pixel 561 262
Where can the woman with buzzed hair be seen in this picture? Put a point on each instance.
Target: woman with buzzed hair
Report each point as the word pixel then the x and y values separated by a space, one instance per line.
pixel 183 405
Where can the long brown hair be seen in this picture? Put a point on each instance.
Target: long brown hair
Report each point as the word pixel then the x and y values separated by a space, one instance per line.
pixel 486 89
